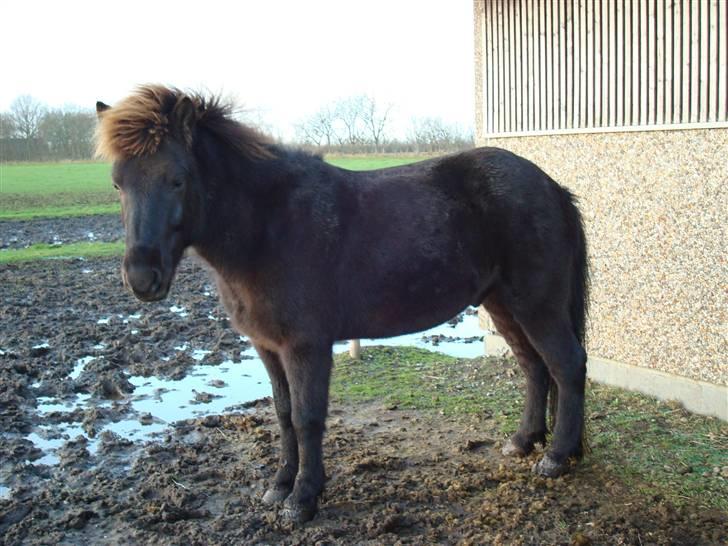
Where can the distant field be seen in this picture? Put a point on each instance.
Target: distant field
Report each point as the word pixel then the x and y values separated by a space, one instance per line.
pixel 30 190
pixel 55 177
pixel 370 162
pixel 33 190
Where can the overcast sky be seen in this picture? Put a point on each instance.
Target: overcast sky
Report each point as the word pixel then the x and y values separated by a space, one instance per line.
pixel 282 58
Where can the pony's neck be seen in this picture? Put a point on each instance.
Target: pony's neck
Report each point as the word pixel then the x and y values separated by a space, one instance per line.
pixel 244 196
pixel 233 223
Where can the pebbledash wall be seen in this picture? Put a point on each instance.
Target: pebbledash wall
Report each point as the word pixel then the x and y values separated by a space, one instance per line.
pixel 651 175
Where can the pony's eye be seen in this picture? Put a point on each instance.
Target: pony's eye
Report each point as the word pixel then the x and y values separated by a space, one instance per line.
pixel 177 183
pixel 116 186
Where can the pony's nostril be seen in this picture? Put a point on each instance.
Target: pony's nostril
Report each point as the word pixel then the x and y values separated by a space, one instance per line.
pixel 143 279
pixel 156 281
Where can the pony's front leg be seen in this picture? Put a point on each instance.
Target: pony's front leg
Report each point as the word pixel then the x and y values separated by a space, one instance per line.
pixel 308 369
pixel 288 466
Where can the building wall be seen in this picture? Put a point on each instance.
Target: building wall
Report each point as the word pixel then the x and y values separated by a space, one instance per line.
pixel 560 65
pixel 655 204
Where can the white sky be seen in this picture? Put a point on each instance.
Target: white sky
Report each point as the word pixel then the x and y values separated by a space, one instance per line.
pixel 283 58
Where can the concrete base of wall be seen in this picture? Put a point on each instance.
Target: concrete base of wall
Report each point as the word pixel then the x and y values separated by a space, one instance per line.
pixel 696 396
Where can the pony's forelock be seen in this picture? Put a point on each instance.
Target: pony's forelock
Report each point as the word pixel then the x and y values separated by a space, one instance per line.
pixel 138 124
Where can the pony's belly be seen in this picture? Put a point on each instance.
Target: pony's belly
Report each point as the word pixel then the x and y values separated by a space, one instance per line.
pixel 397 326
pixel 398 315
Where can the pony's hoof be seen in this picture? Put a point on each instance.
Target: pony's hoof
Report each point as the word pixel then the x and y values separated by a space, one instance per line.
pixel 549 468
pixel 298 512
pixel 274 495
pixel 511 449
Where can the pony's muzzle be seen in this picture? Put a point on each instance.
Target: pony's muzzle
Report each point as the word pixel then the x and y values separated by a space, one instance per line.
pixel 144 281
pixel 143 276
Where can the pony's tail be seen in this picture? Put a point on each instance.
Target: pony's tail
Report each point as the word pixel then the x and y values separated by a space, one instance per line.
pixel 579 304
pixel 578 299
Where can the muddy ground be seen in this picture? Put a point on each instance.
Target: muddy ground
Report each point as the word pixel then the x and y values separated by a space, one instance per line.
pixel 22 233
pixel 395 476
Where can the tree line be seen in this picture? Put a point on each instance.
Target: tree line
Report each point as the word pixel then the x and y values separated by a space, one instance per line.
pixel 31 131
pixel 360 124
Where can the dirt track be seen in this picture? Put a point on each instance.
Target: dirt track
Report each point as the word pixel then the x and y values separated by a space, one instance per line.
pixel 395 476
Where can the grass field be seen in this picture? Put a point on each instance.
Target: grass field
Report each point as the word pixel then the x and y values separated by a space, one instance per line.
pixel 35 190
pixel 30 190
pixel 73 250
pixel 369 162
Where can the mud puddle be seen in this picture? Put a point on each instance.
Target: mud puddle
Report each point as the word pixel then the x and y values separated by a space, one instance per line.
pixel 85 364
pixel 155 403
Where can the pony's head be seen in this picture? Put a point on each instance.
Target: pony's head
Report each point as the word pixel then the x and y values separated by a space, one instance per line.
pixel 153 138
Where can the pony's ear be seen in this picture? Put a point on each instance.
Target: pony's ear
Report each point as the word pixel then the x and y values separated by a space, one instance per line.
pixel 101 108
pixel 184 116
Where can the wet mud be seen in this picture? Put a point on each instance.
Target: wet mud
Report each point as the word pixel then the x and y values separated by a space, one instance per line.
pixel 23 233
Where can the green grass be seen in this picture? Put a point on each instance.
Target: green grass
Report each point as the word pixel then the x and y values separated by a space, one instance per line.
pixel 60 212
pixel 60 177
pixel 46 190
pixel 73 250
pixel 655 448
pixel 370 162
pixel 32 190
pixel 659 448
pixel 415 378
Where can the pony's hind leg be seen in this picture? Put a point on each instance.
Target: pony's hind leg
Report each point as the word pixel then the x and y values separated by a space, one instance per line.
pixel 553 337
pixel 288 466
pixel 532 429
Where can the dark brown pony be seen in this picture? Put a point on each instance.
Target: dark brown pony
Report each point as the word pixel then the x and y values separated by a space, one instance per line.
pixel 306 253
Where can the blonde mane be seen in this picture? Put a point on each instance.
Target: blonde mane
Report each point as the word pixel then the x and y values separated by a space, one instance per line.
pixel 138 124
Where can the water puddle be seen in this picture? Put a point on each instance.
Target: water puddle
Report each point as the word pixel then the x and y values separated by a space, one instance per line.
pixel 157 403
pixel 80 365
pixel 204 390
pixel 199 354
pixel 463 340
pixel 50 405
pixel 49 446
pixel 181 311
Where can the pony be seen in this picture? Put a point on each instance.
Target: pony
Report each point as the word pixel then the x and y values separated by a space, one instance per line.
pixel 305 254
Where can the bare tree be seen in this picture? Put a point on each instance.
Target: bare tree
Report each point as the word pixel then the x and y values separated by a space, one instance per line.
pixel 68 132
pixel 27 113
pixel 349 114
pixel 375 118
pixel 434 135
pixel 81 124
pixel 258 118
pixel 318 129
pixel 360 124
